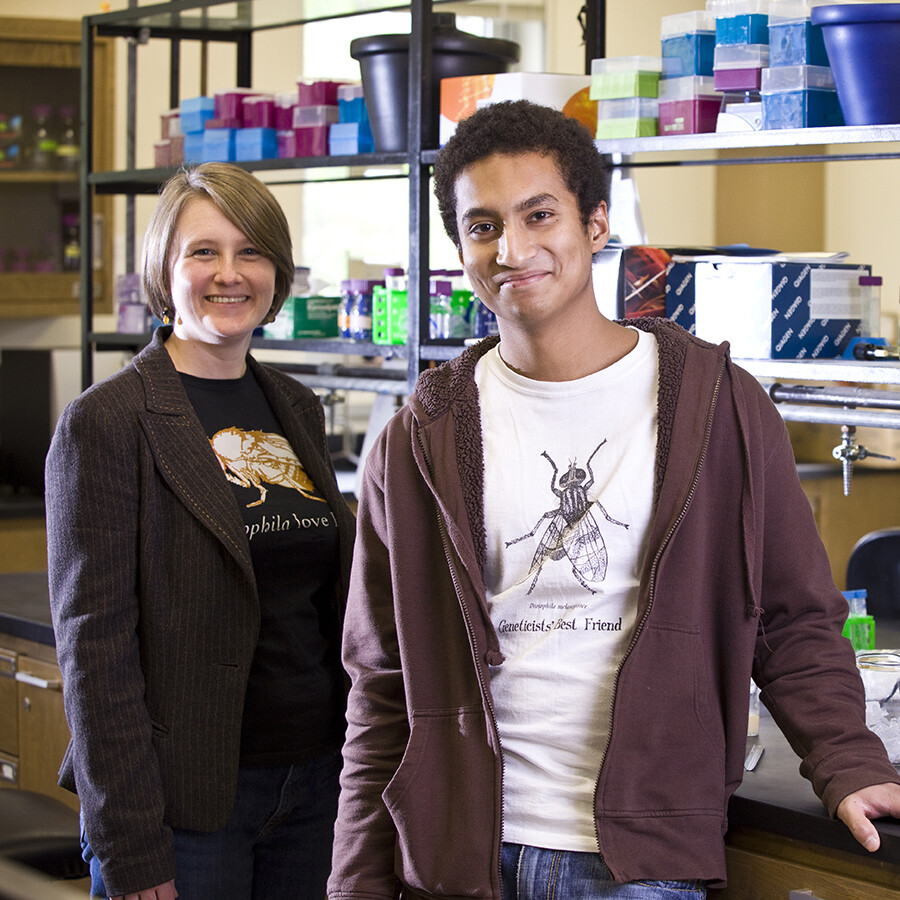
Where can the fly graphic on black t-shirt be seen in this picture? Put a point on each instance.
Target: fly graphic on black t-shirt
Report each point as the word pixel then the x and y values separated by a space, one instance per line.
pixel 573 530
pixel 256 458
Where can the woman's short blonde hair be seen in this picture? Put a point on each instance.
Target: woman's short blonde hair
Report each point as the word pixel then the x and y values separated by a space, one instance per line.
pixel 241 198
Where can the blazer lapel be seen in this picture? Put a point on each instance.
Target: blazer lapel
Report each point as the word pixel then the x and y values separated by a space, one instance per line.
pixel 184 457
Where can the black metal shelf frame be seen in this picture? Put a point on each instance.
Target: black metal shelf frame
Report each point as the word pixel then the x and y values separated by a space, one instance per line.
pixel 171 21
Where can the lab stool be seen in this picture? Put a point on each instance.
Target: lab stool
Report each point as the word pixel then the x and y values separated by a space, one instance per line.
pixel 41 832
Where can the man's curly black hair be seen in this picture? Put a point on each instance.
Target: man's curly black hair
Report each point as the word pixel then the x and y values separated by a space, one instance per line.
pixel 514 127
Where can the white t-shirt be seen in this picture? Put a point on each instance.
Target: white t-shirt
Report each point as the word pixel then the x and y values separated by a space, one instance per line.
pixel 568 465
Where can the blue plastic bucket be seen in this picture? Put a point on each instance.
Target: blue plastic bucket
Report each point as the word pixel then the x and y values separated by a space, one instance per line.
pixel 863 44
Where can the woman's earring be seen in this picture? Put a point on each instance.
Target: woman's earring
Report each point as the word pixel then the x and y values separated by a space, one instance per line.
pixel 166 318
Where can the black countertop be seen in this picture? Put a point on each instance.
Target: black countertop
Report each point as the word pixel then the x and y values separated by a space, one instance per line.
pixel 25 607
pixel 773 798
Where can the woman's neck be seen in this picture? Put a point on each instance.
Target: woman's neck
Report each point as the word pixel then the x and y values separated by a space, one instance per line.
pixel 207 360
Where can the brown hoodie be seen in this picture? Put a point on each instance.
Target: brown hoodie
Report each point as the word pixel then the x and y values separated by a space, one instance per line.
pixel 736 581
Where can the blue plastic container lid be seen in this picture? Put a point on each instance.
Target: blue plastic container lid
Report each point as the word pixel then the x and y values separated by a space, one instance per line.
pixel 848 13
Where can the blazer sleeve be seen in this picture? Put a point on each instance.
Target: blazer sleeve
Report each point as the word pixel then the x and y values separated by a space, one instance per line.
pixel 93 502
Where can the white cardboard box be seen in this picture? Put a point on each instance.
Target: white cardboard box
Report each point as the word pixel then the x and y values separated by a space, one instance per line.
pixel 461 96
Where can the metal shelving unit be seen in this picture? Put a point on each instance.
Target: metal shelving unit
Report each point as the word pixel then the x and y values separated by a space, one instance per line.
pixel 191 20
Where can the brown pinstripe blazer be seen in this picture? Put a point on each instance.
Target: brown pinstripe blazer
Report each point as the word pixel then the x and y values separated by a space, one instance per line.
pixel 155 607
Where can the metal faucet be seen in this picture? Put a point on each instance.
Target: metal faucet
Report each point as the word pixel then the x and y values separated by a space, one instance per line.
pixel 849 452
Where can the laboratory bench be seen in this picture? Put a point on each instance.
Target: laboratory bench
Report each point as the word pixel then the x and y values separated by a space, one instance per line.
pixel 780 837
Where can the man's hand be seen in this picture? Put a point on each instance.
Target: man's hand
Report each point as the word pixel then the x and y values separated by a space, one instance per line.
pixel 160 892
pixel 872 802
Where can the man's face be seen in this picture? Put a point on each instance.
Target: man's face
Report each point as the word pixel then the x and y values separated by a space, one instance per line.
pixel 522 243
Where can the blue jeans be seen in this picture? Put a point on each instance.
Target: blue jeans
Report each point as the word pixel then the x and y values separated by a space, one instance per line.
pixel 530 873
pixel 276 845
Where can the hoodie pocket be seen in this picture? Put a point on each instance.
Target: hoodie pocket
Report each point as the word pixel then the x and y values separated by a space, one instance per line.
pixel 668 741
pixel 444 800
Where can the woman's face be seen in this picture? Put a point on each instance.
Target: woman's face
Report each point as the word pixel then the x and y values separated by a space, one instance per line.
pixel 222 286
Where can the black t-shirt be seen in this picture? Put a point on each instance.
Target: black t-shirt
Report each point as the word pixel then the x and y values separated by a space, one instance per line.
pixel 291 710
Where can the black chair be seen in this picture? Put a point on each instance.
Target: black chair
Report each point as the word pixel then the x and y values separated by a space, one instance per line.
pixel 41 832
pixel 874 565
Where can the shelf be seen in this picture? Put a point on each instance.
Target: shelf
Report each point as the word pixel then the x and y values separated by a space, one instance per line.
pixel 114 340
pixel 332 345
pixel 147 181
pixel 850 370
pixel 190 19
pixel 28 294
pixel 806 141
pixel 35 176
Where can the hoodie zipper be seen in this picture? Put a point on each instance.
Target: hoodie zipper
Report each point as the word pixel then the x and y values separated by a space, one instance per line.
pixel 652 587
pixel 473 643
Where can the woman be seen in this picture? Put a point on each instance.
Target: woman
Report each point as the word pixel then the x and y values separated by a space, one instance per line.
pixel 199 551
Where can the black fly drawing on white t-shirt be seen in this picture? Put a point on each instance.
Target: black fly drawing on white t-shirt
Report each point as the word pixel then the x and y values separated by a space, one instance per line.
pixel 573 531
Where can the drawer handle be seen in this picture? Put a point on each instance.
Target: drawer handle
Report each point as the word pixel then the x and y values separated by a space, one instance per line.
pixel 48 684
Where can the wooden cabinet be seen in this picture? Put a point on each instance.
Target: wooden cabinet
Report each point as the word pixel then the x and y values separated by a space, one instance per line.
pixel 33 730
pixel 9 720
pixel 762 865
pixel 40 64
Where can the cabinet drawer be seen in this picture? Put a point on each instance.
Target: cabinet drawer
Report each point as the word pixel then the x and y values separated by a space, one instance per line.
pixel 9 771
pixel 43 732
pixel 9 716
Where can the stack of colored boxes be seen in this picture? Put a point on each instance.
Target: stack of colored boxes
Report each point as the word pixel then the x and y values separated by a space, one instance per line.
pixel 195 112
pixel 256 138
pixel 688 102
pixel 741 54
pixel 169 150
pixel 798 89
pixel 315 111
pixel 221 130
pixel 626 89
pixel 241 124
pixel 352 134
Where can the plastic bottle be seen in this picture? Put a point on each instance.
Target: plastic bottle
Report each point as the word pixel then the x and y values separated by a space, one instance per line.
pixel 485 322
pixel 870 299
pixel 439 309
pixel 461 306
pixel 347 299
pixel 389 308
pixel 68 149
pixel 43 139
pixel 71 242
pixel 361 309
pixel 10 141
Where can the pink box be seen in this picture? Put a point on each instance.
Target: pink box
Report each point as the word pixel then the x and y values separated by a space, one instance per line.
pixel 162 153
pixel 223 122
pixel 284 110
pixel 170 123
pixel 748 79
pixel 228 103
pixel 287 143
pixel 176 150
pixel 311 140
pixel 259 112
pixel 317 93
pixel 695 115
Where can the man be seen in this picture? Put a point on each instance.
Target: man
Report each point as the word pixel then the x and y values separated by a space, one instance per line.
pixel 575 545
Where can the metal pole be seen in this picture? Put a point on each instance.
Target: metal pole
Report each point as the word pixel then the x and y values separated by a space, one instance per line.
pixel 593 27
pixel 419 124
pixel 85 201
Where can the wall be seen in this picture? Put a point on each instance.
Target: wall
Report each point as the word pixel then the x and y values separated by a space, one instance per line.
pixel 838 206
